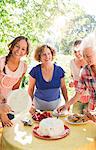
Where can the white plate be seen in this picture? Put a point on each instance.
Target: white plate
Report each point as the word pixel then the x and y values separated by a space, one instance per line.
pixel 64 113
pixel 19 101
pixel 74 123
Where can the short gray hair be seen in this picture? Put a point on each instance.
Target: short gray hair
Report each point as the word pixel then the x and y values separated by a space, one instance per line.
pixel 88 42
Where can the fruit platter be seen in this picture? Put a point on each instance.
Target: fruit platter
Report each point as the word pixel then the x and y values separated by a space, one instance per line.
pixel 37 116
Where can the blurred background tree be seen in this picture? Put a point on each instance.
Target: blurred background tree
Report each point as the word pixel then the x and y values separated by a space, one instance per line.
pixel 57 22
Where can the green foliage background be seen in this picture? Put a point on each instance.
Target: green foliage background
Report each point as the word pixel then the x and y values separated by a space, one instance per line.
pixel 33 18
pixel 36 18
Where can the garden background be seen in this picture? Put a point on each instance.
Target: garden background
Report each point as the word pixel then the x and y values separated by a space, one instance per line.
pixel 55 22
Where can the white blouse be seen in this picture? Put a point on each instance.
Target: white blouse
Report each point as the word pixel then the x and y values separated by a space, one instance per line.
pixel 75 71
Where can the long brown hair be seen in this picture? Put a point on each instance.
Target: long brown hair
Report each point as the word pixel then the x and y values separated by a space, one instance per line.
pixel 11 46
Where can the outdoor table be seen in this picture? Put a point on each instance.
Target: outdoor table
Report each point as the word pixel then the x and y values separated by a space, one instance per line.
pixel 81 137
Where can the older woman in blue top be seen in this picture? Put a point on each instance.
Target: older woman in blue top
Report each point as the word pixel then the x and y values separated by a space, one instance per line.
pixel 48 79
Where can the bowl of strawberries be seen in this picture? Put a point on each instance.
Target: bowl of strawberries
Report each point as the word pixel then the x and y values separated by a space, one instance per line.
pixel 37 116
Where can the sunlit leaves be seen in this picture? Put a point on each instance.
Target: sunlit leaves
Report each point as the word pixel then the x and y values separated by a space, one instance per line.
pixel 36 19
